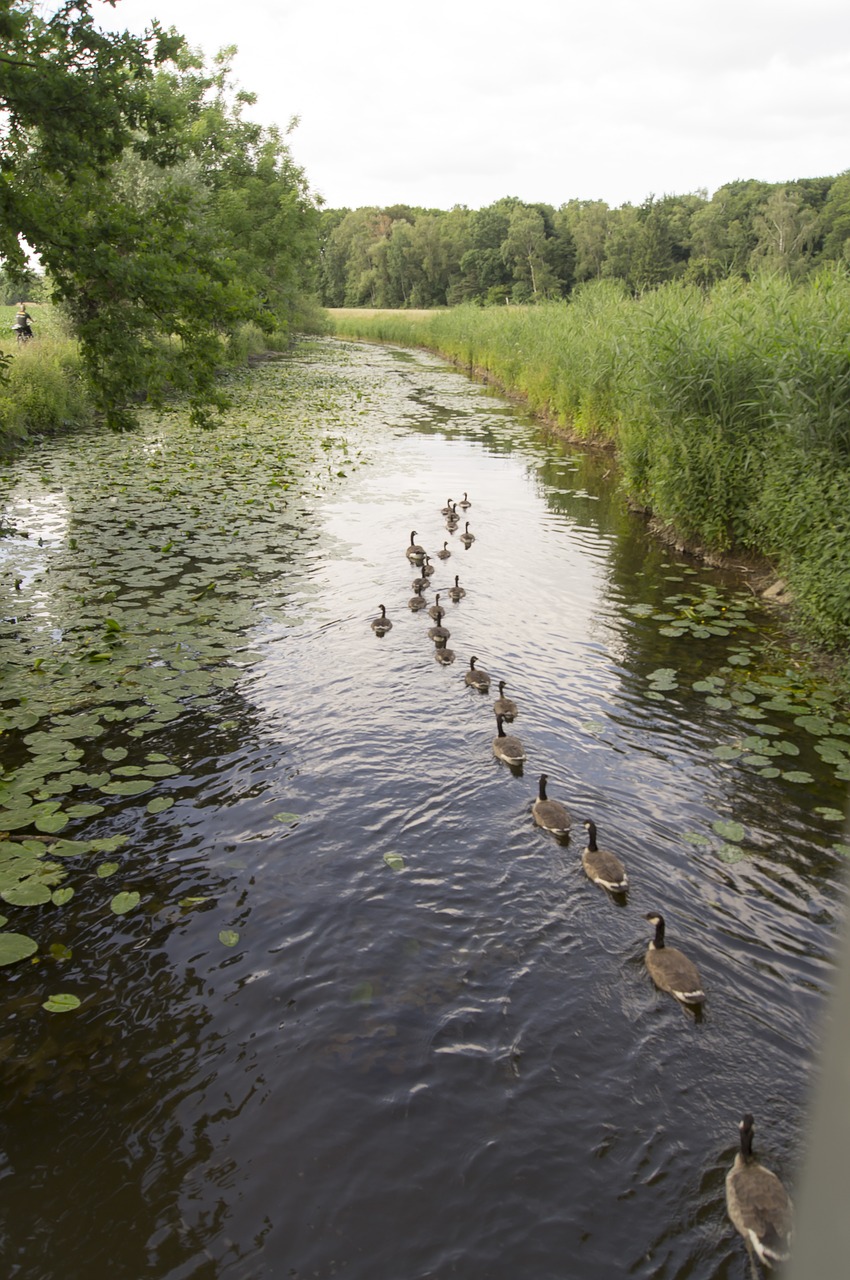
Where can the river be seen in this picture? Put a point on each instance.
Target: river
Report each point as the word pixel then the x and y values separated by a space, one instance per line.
pixel 343 1009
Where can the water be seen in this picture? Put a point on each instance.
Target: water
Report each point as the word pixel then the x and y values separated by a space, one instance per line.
pixel 452 1065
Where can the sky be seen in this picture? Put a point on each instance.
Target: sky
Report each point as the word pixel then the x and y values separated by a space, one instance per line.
pixel 460 102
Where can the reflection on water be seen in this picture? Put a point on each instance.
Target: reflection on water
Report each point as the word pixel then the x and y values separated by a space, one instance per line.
pixel 433 1049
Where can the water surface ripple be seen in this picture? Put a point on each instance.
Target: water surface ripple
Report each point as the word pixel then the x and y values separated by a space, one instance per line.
pixel 434 1050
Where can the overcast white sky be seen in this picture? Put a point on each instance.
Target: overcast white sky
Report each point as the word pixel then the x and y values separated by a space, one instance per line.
pixel 447 102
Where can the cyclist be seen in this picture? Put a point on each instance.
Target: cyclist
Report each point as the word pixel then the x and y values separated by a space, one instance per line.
pixel 23 322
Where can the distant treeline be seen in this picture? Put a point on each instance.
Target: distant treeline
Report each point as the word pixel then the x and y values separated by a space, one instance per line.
pixel 513 251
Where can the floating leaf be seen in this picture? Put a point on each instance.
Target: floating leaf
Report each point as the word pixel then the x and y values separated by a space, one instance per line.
pixel 29 893
pixel 696 837
pixel 16 946
pixel 719 704
pixel 124 902
pixel 830 815
pixel 130 787
pixel 62 1002
pixel 114 753
pixel 159 804
pixel 59 951
pixel 843 849
pixel 730 853
pixel 728 829
pixel 726 752
pixel 228 937
pixel 798 775
pixel 288 818
pixel 61 896
pixel 107 869
pixel 395 861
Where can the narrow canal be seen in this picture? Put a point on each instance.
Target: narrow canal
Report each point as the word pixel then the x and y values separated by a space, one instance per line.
pixel 344 1010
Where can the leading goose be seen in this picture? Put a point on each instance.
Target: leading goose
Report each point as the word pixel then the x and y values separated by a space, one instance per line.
pixel 477 677
pixel 382 624
pixel 758 1204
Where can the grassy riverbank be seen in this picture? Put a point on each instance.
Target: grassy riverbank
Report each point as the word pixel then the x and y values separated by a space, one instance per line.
pixel 729 410
pixel 46 388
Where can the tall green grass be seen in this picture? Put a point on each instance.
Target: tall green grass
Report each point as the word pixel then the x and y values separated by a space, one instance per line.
pixel 729 410
pixel 44 387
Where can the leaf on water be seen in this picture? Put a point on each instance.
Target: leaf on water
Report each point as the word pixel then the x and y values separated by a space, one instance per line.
pixel 84 810
pixel 130 787
pixel 730 853
pixel 696 837
pixel 843 849
pixel 51 822
pixel 289 818
pixel 770 772
pixel 114 754
pixel 814 724
pixel 16 946
pixel 59 951
pixel 798 775
pixel 711 684
pixel 124 902
pixel 61 1002
pixel 61 896
pixel 159 804
pixel 719 703
pixel 671 631
pixel 29 893
pixel 728 829
pixel 186 903
pixel 830 815
pixel 395 861
pixel 228 937
pixel 726 753
pixel 107 869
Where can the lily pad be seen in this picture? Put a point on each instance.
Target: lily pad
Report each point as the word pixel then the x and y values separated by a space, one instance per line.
pixel 159 804
pixel 124 902
pixel 228 937
pixel 395 861
pixel 729 829
pixel 16 946
pixel 61 1002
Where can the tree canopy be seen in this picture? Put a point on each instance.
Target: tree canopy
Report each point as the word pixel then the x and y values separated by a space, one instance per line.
pixel 163 218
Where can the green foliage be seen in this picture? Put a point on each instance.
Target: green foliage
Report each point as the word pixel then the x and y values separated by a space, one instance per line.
pixel 164 219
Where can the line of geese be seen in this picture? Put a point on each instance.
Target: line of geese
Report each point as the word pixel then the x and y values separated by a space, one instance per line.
pixel 756 1200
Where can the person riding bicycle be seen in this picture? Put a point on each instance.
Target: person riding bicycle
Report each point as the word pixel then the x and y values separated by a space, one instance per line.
pixel 23 321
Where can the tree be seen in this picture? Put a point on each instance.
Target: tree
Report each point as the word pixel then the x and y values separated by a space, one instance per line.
pixel 163 218
pixel 786 230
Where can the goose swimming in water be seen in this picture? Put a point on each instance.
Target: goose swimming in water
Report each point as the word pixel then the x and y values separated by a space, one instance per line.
pixel 504 707
pixel 477 677
pixel 414 552
pixel 603 867
pixel 456 592
pixel 670 969
pixel 466 537
pixel 758 1204
pixel 551 815
pixel 417 600
pixel 437 611
pixel 506 746
pixel 382 624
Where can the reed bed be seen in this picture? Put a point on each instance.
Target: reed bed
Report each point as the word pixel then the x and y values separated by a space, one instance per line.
pixel 729 409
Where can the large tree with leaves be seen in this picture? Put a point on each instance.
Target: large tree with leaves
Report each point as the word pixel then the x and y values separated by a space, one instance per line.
pixel 162 216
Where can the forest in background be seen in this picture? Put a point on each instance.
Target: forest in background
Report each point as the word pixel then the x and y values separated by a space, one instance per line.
pixel 514 251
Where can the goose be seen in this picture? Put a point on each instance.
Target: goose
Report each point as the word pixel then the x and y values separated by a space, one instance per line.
pixel 382 625
pixel 442 654
pixel 447 509
pixel 456 592
pixel 414 551
pixel 452 519
pixel 551 815
pixel 422 583
pixel 476 677
pixel 445 553
pixel 464 502
pixel 603 867
pixel 428 569
pixel 670 969
pixel 436 611
pixel 438 633
pixel 466 537
pixel 417 600
pixel 506 746
pixel 505 707
pixel 758 1204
